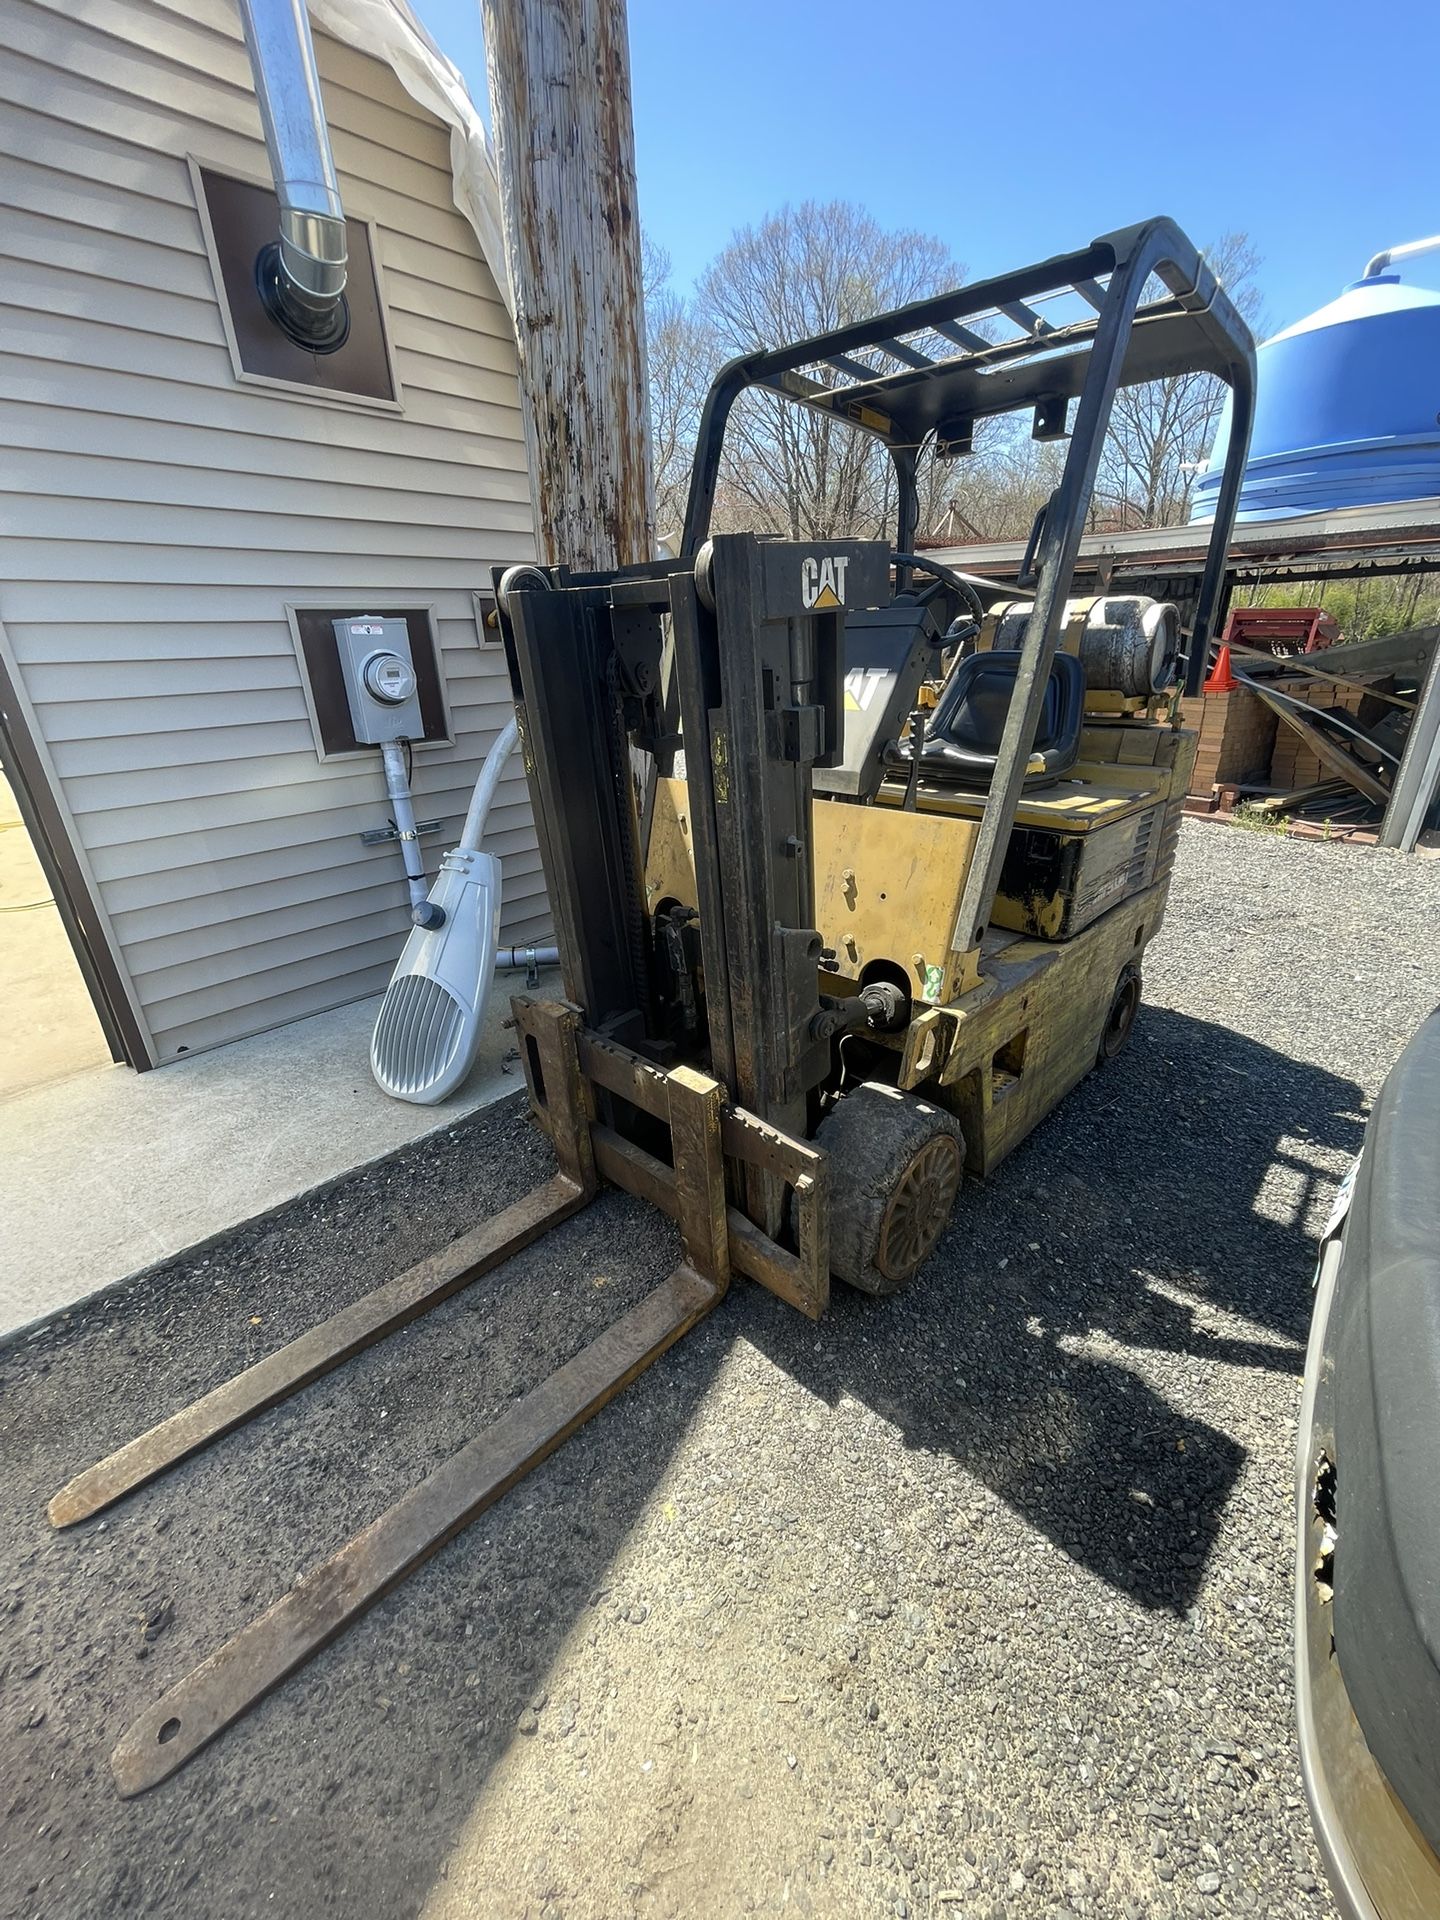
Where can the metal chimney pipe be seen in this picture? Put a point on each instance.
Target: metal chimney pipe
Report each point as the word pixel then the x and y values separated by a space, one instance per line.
pixel 301 276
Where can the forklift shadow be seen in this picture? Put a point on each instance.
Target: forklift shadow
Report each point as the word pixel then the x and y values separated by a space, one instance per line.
pixel 1227 1176
pixel 1066 1342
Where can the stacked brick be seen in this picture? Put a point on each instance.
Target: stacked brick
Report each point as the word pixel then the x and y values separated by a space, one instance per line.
pixel 1292 764
pixel 1237 737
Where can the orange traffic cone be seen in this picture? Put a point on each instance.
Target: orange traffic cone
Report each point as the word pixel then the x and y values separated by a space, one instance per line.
pixel 1221 680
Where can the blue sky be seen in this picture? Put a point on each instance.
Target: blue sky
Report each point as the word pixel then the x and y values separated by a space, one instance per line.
pixel 1014 131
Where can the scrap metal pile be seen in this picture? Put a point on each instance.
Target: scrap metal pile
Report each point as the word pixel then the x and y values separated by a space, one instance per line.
pixel 1343 712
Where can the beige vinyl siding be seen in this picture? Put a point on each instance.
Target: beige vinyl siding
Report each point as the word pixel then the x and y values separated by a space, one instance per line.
pixel 158 514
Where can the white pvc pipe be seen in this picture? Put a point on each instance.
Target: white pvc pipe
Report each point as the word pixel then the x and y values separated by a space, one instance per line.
pixel 473 831
pixel 1380 261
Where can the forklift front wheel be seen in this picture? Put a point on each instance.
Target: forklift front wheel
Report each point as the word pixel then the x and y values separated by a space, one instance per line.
pixel 895 1167
pixel 1124 1005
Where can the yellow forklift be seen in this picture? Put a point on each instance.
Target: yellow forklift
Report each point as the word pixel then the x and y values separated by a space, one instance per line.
pixel 853 861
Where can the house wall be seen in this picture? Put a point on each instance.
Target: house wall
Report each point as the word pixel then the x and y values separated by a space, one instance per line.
pixel 156 515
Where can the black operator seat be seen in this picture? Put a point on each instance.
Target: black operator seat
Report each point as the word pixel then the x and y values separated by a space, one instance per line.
pixel 964 729
pixel 888 653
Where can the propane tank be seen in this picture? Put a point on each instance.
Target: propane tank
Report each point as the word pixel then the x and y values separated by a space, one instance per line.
pixel 1127 642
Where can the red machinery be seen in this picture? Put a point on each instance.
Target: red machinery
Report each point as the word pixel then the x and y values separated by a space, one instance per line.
pixel 1280 630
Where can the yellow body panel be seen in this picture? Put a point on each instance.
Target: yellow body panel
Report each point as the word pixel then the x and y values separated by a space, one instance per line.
pixel 888 883
pixel 1122 768
pixel 887 888
pixel 670 854
pixel 1091 796
pixel 1005 1054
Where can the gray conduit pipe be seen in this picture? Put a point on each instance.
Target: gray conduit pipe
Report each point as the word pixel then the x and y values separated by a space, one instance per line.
pixel 512 959
pixel 397 785
pixel 472 834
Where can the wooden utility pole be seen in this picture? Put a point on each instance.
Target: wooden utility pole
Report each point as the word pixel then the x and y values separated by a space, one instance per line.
pixel 560 98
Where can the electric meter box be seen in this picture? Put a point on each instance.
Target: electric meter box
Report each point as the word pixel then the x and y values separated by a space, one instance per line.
pixel 379 676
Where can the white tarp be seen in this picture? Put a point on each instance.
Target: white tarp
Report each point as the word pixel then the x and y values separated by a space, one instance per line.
pixel 389 31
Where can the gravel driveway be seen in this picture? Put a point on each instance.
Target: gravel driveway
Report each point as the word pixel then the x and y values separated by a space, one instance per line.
pixel 971 1602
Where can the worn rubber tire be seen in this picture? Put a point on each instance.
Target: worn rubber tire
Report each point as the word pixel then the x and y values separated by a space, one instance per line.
pixel 1120 1019
pixel 896 1163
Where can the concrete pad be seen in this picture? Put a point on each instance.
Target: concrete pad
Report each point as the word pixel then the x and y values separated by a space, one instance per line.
pixel 108 1171
pixel 51 1028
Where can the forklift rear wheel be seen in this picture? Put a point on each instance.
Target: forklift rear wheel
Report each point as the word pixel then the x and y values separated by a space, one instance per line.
pixel 1124 1005
pixel 895 1167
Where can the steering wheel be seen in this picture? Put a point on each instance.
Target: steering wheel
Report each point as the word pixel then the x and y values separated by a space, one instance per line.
pixel 945 576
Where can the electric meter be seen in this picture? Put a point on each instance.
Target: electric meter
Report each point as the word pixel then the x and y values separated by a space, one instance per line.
pixel 379 675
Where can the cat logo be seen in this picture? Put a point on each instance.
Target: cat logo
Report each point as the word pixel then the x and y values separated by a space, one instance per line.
pixel 822 582
pixel 861 686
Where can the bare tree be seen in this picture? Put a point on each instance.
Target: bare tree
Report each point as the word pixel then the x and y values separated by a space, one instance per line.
pixel 804 271
pixel 1160 433
pixel 995 492
pixel 789 469
pixel 681 362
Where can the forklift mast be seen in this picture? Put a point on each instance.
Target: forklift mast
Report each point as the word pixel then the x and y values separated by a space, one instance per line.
pixel 728 672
